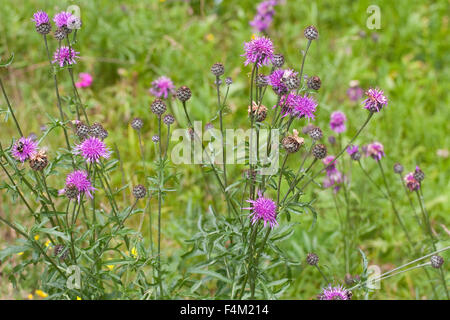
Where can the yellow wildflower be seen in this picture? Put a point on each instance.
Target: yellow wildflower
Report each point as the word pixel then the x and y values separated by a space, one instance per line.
pixel 41 293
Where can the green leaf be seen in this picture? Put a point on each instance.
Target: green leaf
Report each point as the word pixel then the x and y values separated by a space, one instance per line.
pixel 8 62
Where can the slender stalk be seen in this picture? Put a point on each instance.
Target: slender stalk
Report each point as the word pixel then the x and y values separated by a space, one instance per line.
pixel 371 180
pixel 394 208
pixel 323 274
pixel 160 175
pixel 10 108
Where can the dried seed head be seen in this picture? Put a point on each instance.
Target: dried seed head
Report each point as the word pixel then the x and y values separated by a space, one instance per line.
pixel 356 156
pixel 59 34
pixel 292 143
pixel 312 259
pixel 314 83
pixel 261 80
pixel 137 124
pixel 315 133
pixel 258 112
pixel 97 130
pixel 139 191
pixel 44 28
pixel 292 82
pixel 155 138
pixel 39 160
pixel 419 175
pixel 311 33
pixel 398 168
pixel 217 69
pixel 168 119
pixel 61 252
pixel 71 191
pixel 436 261
pixel 81 130
pixel 319 151
pixel 158 107
pixel 183 93
pixel 278 60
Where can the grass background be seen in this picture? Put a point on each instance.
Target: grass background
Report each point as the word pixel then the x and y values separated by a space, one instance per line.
pixel 127 44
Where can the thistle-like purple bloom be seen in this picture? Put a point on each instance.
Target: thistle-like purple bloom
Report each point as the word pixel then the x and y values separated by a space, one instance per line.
pixel 264 15
pixel 355 93
pixel 337 121
pixel 61 19
pixel 276 80
pixel 375 150
pixel 92 149
pixel 258 50
pixel 162 87
pixel 23 149
pixel 65 56
pixel 411 183
pixel 80 180
pixel 352 149
pixel 335 293
pixel 263 209
pixel 40 17
pixel 375 100
pixel 302 106
pixel 334 176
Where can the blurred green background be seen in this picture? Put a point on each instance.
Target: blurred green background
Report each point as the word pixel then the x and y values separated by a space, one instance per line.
pixel 127 44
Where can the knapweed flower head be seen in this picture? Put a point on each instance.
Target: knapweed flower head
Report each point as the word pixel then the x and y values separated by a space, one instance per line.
pixel 335 293
pixel 85 80
pixel 411 183
pixel 355 92
pixel 258 50
pixel 80 180
pixel 264 15
pixel 375 150
pixel 41 17
pixel 330 164
pixel 162 87
pixel 278 80
pixel 302 106
pixel 375 100
pixel 352 149
pixel 65 56
pixel 61 19
pixel 337 121
pixel 92 149
pixel 263 209
pixel 23 149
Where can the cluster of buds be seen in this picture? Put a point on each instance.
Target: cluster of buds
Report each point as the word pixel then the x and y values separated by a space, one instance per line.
pixel 83 131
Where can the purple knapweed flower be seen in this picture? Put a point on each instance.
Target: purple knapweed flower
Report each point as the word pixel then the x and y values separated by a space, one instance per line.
pixel 337 121
pixel 375 100
pixel 162 87
pixel 411 183
pixel 264 15
pixel 352 149
pixel 80 180
pixel 92 149
pixel 276 80
pixel 330 164
pixel 61 18
pixel 40 17
pixel 355 93
pixel 85 80
pixel 334 176
pixel 23 149
pixel 65 56
pixel 375 150
pixel 258 50
pixel 263 209
pixel 335 293
pixel 303 106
